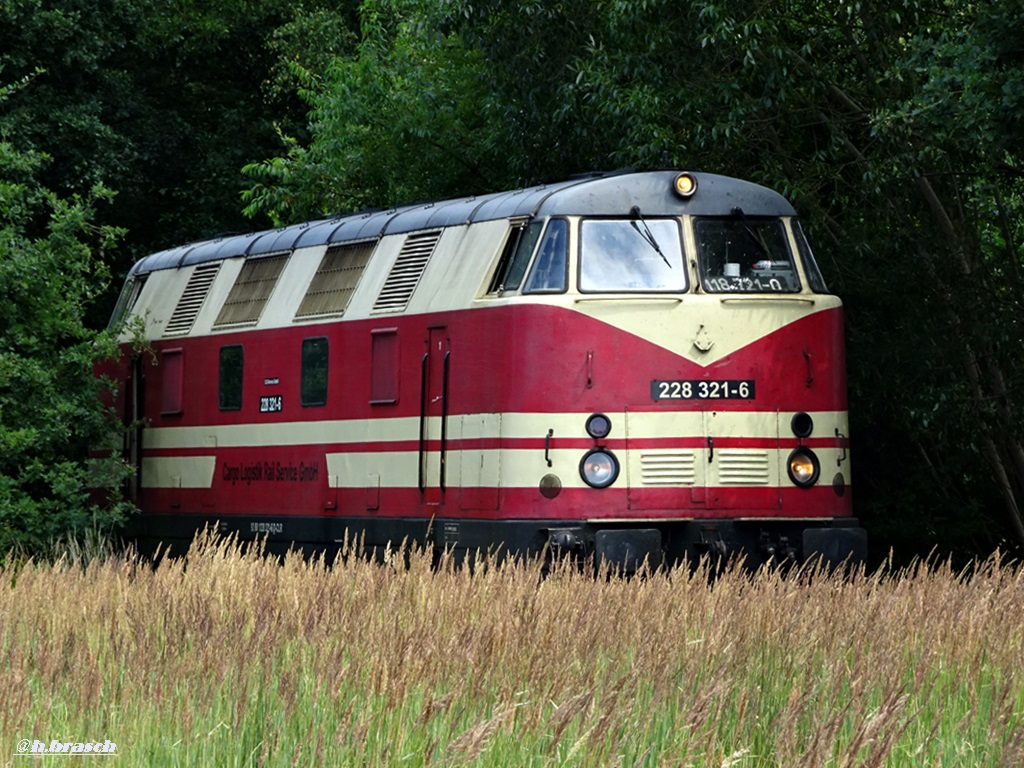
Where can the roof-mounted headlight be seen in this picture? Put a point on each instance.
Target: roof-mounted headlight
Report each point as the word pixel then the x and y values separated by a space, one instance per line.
pixel 685 185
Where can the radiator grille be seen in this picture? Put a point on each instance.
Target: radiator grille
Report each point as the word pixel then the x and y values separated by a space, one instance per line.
pixel 336 279
pixel 742 467
pixel 668 468
pixel 251 291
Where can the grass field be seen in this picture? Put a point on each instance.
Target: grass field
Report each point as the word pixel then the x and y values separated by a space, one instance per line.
pixel 231 659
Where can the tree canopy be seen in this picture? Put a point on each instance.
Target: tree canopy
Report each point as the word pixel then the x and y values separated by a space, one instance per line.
pixel 50 413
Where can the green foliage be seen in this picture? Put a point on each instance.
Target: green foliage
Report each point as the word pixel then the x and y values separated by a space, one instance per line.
pixel 896 129
pixel 162 103
pixel 51 268
pixel 399 119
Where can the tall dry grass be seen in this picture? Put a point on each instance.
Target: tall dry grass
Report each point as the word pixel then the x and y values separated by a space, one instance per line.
pixel 226 658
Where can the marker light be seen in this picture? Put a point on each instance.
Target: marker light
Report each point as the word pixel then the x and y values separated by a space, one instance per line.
pixel 685 185
pixel 598 425
pixel 802 424
pixel 804 467
pixel 599 468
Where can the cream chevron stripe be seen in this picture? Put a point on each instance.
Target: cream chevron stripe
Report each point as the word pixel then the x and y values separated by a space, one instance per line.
pixel 727 323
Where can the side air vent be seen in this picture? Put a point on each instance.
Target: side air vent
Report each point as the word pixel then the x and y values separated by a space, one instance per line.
pixel 667 468
pixel 251 290
pixel 335 280
pixel 406 273
pixel 191 300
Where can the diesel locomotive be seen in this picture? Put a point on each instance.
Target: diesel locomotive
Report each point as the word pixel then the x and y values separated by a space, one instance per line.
pixel 638 366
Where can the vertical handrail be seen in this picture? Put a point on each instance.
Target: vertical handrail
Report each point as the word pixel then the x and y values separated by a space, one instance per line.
pixel 423 422
pixel 444 417
pixel 134 416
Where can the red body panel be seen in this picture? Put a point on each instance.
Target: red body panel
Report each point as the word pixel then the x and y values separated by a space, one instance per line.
pixel 512 359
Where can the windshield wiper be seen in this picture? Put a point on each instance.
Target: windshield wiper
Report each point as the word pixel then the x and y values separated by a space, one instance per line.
pixel 646 233
pixel 752 236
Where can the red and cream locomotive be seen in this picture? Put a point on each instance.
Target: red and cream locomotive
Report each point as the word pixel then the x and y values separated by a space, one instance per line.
pixel 641 365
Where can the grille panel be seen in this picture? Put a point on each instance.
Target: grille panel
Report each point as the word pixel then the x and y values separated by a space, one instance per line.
pixel 191 301
pixel 406 273
pixel 668 468
pixel 743 467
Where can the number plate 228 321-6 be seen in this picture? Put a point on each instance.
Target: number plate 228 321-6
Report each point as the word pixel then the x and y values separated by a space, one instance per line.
pixel 702 389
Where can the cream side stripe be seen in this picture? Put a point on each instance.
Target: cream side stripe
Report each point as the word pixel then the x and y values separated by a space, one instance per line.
pixel 515 426
pixel 515 468
pixel 178 472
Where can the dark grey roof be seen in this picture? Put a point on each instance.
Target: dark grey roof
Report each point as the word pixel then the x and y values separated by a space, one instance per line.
pixel 596 195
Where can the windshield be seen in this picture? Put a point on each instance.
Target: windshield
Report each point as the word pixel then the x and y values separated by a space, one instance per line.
pixel 744 255
pixel 633 255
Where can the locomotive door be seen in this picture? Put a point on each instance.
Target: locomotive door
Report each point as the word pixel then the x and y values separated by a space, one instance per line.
pixel 433 446
pixel 738 451
pixel 133 421
pixel 664 463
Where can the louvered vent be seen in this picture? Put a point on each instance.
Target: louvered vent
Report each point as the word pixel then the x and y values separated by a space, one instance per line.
pixel 406 273
pixel 668 468
pixel 742 467
pixel 335 280
pixel 191 300
pixel 251 290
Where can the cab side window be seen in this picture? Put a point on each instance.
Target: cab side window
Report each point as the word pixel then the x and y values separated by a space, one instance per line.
pixel 515 257
pixel 550 272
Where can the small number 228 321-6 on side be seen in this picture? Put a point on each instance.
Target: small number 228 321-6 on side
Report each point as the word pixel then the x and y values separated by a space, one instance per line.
pixel 702 389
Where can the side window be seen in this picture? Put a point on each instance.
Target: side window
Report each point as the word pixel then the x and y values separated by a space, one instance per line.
pixel 172 381
pixel 126 300
pixel 230 387
pixel 314 371
pixel 551 267
pixel 384 366
pixel 515 257
pixel 814 278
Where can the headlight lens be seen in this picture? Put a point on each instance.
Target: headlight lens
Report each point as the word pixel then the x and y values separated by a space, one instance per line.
pixel 685 185
pixel 804 467
pixel 599 468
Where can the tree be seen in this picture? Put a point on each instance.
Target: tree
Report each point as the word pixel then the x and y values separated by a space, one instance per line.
pixel 52 264
pixel 401 117
pixel 162 103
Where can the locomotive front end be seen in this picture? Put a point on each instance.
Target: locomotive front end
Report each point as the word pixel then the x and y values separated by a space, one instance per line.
pixel 708 393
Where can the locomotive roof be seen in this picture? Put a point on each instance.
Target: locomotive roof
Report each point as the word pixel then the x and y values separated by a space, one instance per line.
pixel 593 195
